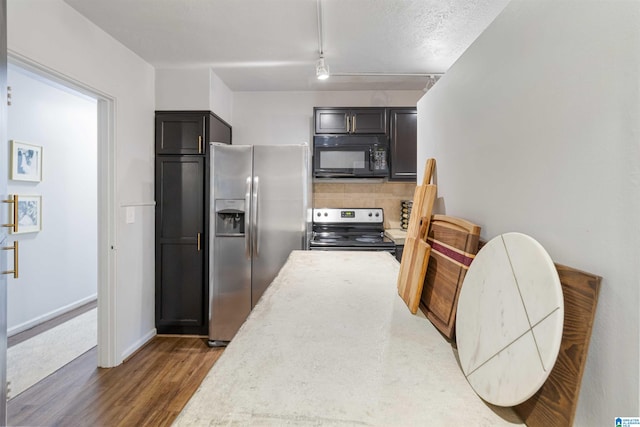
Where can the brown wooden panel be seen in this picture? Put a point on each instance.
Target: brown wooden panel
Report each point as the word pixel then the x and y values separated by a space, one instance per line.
pixel 555 403
pixel 454 242
pixel 440 288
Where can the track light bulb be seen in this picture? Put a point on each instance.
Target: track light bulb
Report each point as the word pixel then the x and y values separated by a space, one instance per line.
pixel 322 70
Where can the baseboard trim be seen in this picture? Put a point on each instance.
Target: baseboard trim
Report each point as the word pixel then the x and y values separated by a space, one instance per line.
pixel 48 316
pixel 138 345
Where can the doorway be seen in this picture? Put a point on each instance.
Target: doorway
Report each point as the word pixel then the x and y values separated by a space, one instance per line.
pixel 94 197
pixel 52 132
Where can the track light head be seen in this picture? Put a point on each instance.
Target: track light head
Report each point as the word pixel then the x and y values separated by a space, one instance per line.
pixel 322 70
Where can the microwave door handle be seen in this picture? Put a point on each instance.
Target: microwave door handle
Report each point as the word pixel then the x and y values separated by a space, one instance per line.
pixel 370 159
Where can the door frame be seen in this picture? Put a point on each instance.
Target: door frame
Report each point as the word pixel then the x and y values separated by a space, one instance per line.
pixel 106 169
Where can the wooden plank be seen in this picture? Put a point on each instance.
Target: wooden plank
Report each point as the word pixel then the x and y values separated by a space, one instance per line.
pixel 429 167
pixel 405 265
pixel 454 242
pixel 416 275
pixel 424 197
pixel 555 403
pixel 413 265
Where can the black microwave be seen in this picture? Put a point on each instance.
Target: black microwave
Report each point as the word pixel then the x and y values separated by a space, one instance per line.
pixel 350 156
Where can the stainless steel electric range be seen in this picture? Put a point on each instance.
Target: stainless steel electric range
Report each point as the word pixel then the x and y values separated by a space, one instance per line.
pixel 356 229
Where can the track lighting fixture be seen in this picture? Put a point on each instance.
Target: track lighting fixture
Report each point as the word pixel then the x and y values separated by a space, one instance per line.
pixel 322 70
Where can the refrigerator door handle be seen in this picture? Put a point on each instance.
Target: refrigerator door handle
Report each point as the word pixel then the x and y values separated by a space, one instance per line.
pixel 247 219
pixel 254 212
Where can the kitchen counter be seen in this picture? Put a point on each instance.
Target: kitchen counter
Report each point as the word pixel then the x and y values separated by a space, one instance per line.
pixel 332 343
pixel 396 234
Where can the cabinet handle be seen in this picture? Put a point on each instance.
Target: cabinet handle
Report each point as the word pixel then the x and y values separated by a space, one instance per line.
pixel 198 239
pixel 13 200
pixel 200 144
pixel 348 124
pixel 354 125
pixel 13 248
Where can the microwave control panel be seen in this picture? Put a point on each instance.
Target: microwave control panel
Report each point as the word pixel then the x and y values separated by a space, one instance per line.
pixel 380 159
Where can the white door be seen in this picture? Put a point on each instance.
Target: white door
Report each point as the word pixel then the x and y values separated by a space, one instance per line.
pixel 4 217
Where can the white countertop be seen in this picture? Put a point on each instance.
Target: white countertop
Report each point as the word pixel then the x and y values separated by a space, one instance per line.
pixel 398 235
pixel 332 343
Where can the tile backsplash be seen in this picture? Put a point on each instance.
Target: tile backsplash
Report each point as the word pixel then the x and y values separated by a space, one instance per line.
pixel 387 196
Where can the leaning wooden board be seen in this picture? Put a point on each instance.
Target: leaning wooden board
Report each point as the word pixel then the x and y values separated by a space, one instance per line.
pixel 454 243
pixel 554 405
pixel 416 251
pixel 414 263
pixel 419 254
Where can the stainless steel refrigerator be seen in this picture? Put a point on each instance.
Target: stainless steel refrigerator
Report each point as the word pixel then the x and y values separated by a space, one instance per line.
pixel 260 212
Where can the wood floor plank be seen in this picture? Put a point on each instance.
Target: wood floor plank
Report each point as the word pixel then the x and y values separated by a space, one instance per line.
pixel 150 388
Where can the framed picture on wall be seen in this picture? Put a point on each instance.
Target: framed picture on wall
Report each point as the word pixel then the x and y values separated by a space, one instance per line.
pixel 29 214
pixel 26 162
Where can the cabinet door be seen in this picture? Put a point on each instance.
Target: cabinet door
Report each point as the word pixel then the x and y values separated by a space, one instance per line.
pixel 181 293
pixel 350 120
pixel 403 140
pixel 180 133
pixel 369 120
pixel 332 120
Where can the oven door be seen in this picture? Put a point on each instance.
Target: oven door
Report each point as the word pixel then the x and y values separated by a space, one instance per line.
pixel 343 157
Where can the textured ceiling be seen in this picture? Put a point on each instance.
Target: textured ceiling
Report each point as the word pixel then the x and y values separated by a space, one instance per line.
pixel 273 44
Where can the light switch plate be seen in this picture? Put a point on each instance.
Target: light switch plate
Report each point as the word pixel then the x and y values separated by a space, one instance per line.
pixel 131 215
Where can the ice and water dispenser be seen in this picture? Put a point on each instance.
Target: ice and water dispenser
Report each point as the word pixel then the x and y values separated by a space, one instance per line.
pixel 230 214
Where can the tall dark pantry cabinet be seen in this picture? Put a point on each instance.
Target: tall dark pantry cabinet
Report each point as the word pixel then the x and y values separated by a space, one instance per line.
pixel 182 221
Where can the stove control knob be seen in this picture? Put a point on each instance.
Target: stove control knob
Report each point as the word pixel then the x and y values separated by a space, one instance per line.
pixel 377 214
pixel 318 214
pixel 326 214
pixel 370 214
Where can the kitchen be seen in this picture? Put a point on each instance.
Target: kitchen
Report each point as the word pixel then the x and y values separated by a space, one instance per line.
pixel 607 390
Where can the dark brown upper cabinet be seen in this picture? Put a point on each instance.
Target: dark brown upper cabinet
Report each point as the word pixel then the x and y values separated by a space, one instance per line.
pixel 403 143
pixel 365 120
pixel 185 133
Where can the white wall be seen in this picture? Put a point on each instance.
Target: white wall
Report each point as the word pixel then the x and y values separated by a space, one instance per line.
pixel 182 89
pixel 220 98
pixel 535 129
pixel 287 117
pixel 58 264
pixel 53 35
pixel 193 89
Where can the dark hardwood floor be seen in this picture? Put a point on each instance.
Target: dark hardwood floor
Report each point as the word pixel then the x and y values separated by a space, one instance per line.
pixel 148 389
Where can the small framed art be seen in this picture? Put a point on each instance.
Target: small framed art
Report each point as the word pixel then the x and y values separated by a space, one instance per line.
pixel 29 214
pixel 26 162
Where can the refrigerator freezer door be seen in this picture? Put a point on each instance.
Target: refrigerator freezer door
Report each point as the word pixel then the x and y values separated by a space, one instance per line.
pixel 230 254
pixel 281 182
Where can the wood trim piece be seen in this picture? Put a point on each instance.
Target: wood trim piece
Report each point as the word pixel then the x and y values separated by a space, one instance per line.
pixel 556 401
pixel 465 225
